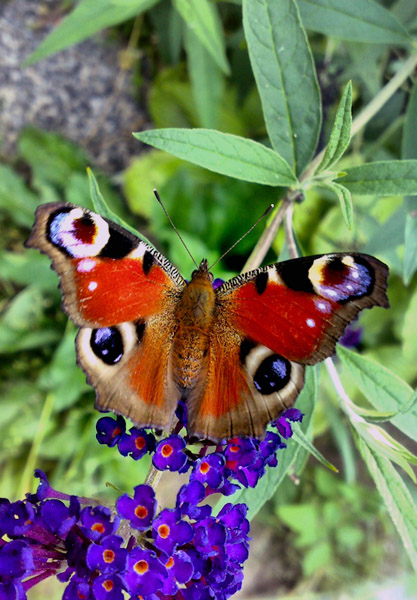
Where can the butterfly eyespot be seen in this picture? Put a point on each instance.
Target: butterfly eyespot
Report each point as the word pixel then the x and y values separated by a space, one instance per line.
pixel 140 330
pixel 107 344
pixel 272 374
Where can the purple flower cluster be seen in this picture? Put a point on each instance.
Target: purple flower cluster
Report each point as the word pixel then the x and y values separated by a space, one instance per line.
pixel 233 463
pixel 185 552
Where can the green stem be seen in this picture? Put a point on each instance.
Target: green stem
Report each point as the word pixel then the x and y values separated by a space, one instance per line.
pixel 27 476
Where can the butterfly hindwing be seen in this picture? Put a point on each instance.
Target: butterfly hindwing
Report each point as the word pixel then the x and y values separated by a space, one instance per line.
pixel 246 386
pixel 129 367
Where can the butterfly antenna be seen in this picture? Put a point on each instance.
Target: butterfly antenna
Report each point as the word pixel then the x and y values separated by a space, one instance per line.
pixel 265 214
pixel 173 226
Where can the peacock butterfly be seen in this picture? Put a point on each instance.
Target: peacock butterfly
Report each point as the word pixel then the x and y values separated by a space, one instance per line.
pixel 235 354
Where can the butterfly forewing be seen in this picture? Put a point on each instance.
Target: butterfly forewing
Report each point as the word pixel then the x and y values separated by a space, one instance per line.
pixel 300 308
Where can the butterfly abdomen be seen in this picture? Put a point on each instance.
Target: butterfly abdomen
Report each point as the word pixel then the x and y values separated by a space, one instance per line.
pixel 194 315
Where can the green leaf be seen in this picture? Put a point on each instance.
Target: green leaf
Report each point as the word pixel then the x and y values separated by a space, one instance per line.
pixel 202 18
pixel 340 134
pixel 396 497
pixel 101 206
pixel 88 18
pixel 302 439
pixel 409 329
pixel 28 268
pixel 410 240
pixel 385 178
pixel 285 75
pixel 344 197
pixel 382 388
pixel 409 150
pixel 255 498
pixel 206 80
pixel 15 198
pixel 356 20
pixel 62 376
pixel 223 153
pixel 19 324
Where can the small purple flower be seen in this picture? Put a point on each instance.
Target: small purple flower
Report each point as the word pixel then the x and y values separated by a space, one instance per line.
pixel 180 570
pixel 352 337
pixel 109 430
pixel 108 556
pixel 169 454
pixel 169 531
pixel 15 518
pixel 136 443
pixel 210 536
pixel 78 589
pixel 98 522
pixel 210 470
pixel 139 510
pixel 58 517
pixel 145 574
pixel 108 587
pixel 282 424
pixel 188 499
pixel 16 560
pixel 268 448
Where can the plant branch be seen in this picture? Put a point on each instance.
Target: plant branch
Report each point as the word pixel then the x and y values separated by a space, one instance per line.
pixel 289 233
pixel 268 235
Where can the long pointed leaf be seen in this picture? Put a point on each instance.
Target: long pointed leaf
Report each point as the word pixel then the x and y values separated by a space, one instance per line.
pixel 223 153
pixel 202 18
pixel 385 390
pixel 396 497
pixel 87 18
pixel 409 150
pixel 384 178
pixel 340 134
pixel 285 75
pixel 355 20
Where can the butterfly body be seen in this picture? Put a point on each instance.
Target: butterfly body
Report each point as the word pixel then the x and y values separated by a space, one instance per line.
pixel 194 317
pixel 236 354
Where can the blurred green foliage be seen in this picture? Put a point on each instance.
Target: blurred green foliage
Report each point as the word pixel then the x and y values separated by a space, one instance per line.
pixel 203 78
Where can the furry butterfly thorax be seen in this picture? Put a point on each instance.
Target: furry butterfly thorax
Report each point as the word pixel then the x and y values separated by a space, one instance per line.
pixel 235 354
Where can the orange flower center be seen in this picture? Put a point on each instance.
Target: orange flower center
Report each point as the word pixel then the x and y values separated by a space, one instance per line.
pixel 166 450
pixel 163 531
pixel 204 468
pixel 141 512
pixel 108 585
pixel 141 567
pixel 108 556
pixel 140 443
pixel 98 527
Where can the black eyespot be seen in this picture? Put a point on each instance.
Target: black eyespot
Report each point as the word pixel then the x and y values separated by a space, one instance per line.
pixel 261 281
pixel 140 330
pixel 148 260
pixel 272 374
pixel 107 344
